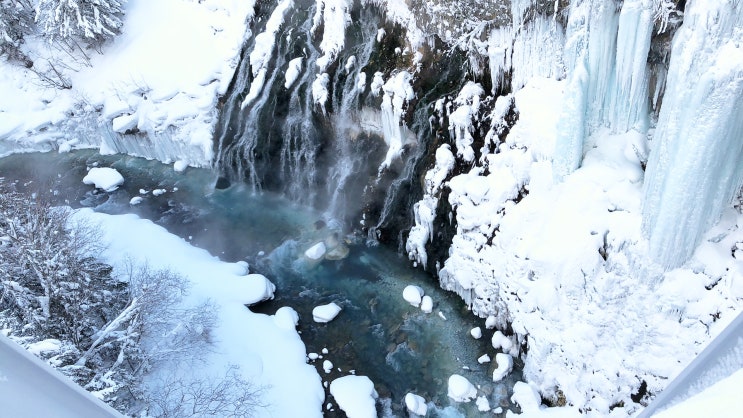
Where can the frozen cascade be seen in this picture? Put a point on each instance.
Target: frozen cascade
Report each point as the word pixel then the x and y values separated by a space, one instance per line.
pixel 695 166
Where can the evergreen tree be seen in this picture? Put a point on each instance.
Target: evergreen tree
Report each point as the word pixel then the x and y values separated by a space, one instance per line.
pixel 91 20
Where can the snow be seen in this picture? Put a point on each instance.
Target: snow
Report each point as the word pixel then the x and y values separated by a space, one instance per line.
pixel 292 72
pixel 105 178
pixel 427 304
pixel 335 16
pixel 263 50
pixel 416 404
pixel 505 365
pixel 316 252
pixel 476 333
pixel 413 295
pixel 355 395
pixel 162 76
pixel 460 389
pixel 482 404
pixel 45 346
pixel 717 400
pixel 267 348
pixel 325 313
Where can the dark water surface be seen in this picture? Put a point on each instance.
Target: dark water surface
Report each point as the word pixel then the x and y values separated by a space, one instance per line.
pixel 377 334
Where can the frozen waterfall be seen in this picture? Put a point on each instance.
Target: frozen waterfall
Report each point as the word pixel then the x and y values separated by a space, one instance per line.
pixel 695 168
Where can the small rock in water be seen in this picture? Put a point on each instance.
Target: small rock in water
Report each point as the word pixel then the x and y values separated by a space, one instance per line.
pixel 135 200
pixel 158 192
pixel 441 314
pixel 490 322
pixel 483 359
pixel 313 356
pixel 325 351
pixel 327 365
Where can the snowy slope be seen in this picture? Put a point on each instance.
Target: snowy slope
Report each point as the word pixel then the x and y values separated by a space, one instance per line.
pixel 267 349
pixel 158 82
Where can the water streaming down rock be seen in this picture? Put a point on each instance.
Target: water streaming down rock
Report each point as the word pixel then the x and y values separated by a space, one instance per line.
pixel 331 117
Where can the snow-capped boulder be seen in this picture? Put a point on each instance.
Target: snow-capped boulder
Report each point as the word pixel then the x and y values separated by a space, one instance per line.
pixel 355 396
pixel 325 313
pixel 413 295
pixel 505 365
pixel 461 389
pixel 105 178
pixel 416 404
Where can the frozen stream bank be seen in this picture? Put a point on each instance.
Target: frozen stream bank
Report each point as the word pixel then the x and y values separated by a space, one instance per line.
pixel 377 333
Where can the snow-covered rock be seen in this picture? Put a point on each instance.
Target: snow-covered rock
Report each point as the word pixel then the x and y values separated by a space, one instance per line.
pixel 416 404
pixel 286 317
pixel 325 313
pixel 460 389
pixel 413 295
pixel 316 252
pixel 355 395
pixel 256 288
pixel 427 304
pixel 505 365
pixel 105 178
pixel 476 333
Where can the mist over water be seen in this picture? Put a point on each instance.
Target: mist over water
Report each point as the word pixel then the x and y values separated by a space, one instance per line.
pixel 377 334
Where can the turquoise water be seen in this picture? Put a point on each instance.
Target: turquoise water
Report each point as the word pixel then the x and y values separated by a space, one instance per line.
pixel 377 334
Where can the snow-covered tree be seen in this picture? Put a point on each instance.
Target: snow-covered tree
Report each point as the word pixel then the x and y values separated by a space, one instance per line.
pixel 16 21
pixel 109 331
pixel 91 20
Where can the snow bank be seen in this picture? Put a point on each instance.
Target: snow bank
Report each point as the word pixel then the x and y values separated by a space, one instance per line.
pixel 355 396
pixel 267 349
pixel 105 178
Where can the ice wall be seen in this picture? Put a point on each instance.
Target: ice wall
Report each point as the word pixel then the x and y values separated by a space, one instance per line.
pixel 695 166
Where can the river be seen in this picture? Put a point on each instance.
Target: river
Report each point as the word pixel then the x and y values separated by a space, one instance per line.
pixel 377 334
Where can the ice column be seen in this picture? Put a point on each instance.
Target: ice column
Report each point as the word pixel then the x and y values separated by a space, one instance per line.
pixel 590 50
pixel 696 160
pixel 629 95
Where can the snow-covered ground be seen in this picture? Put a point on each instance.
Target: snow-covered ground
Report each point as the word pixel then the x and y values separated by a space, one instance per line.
pixel 266 348
pixel 159 81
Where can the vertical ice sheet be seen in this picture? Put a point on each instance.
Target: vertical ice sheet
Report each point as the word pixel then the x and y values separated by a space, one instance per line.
pixel 695 165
